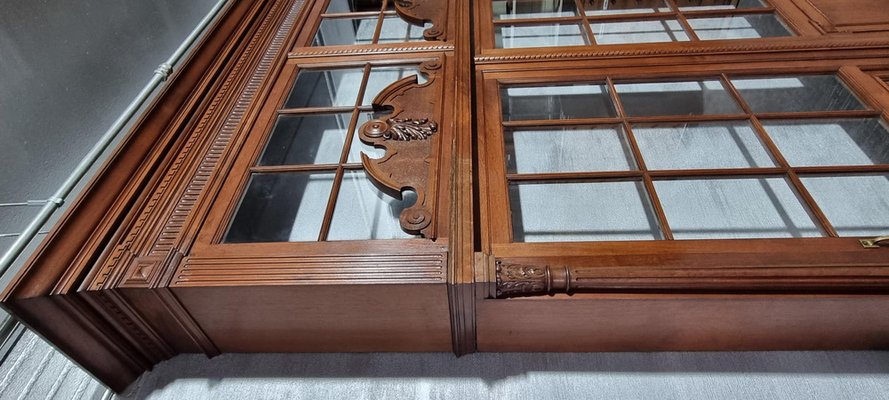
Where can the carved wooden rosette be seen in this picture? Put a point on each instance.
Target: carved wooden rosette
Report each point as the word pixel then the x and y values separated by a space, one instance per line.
pixel 410 136
pixel 417 12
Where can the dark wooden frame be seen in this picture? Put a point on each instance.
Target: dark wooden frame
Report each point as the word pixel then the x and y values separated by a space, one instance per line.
pixel 135 272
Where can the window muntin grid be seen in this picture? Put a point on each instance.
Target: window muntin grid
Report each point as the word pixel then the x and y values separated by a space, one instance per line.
pixel 308 183
pixel 733 155
pixel 351 23
pixel 538 23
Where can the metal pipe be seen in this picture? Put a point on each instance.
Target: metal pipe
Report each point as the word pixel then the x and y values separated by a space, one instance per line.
pixel 58 198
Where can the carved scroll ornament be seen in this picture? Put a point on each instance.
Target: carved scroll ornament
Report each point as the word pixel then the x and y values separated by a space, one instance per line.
pixel 418 12
pixel 409 135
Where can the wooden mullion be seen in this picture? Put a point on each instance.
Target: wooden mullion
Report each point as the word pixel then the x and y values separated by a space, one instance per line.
pixel 687 118
pixel 316 110
pixel 813 206
pixel 844 169
pixel 764 137
pixel 379 27
pixel 338 180
pixel 791 174
pixel 819 114
pixel 537 21
pixel 331 204
pixel 573 176
pixel 350 133
pixel 659 174
pixel 683 21
pixel 640 163
pixel 715 172
pixel 726 13
pixel 586 24
pixel 356 14
pixel 292 168
pixel 560 122
pixel 633 17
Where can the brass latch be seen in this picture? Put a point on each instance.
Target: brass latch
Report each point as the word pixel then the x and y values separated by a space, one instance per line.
pixel 873 243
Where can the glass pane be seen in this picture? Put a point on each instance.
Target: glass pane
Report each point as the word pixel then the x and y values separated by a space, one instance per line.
pixel 854 205
pixel 860 141
pixel 555 102
pixel 676 98
pixel 358 146
pixel 325 88
pixel 507 9
pixel 728 144
pixel 796 93
pixel 345 31
pixel 567 212
pixel 734 209
pixel 396 30
pixel 307 139
pixel 666 30
pixel 281 207
pixel 606 7
pixel 345 6
pixel 380 77
pixel 751 26
pixel 697 5
pixel 363 212
pixel 567 150
pixel 544 35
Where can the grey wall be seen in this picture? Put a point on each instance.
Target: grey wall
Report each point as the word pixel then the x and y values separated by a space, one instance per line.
pixel 67 70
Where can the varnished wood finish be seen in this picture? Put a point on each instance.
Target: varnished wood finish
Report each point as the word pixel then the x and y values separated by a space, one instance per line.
pixel 139 269
pixel 669 322
pixel 410 135
pixel 752 294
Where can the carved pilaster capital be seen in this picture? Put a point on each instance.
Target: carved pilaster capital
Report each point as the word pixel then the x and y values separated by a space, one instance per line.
pixel 515 280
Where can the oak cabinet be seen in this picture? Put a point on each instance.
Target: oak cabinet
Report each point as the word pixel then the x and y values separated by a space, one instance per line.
pixel 505 175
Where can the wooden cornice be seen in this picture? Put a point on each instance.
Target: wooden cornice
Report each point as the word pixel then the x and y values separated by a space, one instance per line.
pixel 106 330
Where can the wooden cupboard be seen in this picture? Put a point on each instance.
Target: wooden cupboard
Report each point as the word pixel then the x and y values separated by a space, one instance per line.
pixel 520 175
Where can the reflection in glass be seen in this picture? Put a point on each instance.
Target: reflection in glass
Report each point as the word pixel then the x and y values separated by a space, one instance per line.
pixel 606 7
pixel 543 35
pixel 567 150
pixel 676 98
pixel 688 145
pixel 363 212
pixel 566 212
pixel 734 209
pixel 325 88
pixel 697 5
pixel 346 6
pixel 508 9
pixel 396 30
pixel 750 26
pixel 281 207
pixel 345 31
pixel 307 139
pixel 796 93
pixel 555 102
pixel 666 30
pixel 380 77
pixel 854 205
pixel 358 146
pixel 861 141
